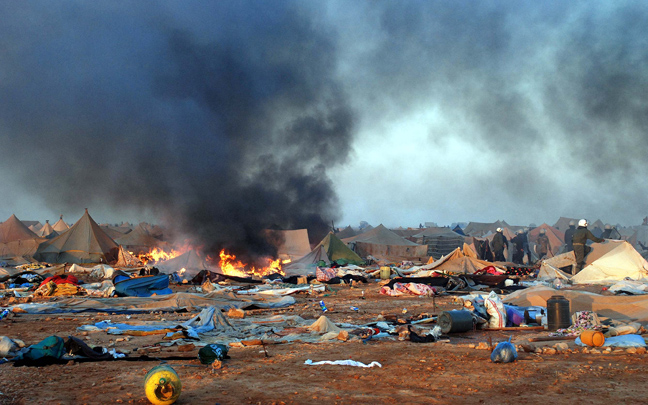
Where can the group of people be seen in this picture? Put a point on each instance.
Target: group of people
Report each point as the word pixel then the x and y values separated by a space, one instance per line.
pixel 575 239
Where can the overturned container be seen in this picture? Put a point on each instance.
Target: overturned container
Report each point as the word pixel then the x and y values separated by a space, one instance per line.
pixel 455 321
pixel 558 313
pixel 385 273
pixel 592 338
pixel 162 385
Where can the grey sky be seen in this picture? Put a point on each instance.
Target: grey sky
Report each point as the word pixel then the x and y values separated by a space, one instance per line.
pixel 410 111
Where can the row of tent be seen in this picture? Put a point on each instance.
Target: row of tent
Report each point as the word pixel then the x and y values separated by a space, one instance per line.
pixel 86 241
pixel 83 242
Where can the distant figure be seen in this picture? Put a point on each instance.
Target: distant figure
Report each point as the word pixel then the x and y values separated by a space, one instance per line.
pixel 610 233
pixel 580 238
pixel 543 246
pixel 526 247
pixel 485 252
pixel 518 247
pixel 499 243
pixel 645 221
pixel 569 233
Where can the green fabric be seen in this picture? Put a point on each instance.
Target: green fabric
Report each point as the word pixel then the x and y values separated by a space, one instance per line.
pixel 213 352
pixel 52 346
pixel 336 250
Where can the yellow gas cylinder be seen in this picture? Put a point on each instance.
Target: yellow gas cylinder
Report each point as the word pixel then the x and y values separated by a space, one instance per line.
pixel 162 385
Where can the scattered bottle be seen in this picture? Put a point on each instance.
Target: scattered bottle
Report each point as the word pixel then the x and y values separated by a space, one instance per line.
pixel 323 306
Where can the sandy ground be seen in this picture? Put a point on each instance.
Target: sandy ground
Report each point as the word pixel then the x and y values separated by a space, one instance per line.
pixel 411 373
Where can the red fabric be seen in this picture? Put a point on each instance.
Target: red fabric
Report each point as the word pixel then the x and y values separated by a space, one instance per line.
pixel 323 274
pixel 65 279
pixel 489 270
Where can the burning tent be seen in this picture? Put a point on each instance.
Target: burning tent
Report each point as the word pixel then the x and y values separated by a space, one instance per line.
pixel 84 242
pixel 126 258
pixel 187 265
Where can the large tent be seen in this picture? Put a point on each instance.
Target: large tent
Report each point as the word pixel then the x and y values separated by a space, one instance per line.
pixel 556 238
pixel 138 241
pixel 608 262
pixel 563 223
pixel 330 249
pixel 440 241
pixel 382 243
pixel 60 226
pixel 481 229
pixel 115 232
pixel 347 232
pixel 619 260
pixel 84 242
pixel 456 262
pixel 291 244
pixel 12 230
pixel 47 231
pixel 187 265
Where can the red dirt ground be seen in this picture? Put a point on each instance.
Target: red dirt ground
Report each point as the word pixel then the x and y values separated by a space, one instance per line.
pixel 411 373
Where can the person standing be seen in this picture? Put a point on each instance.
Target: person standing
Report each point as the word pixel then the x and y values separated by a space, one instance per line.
pixel 499 243
pixel 543 246
pixel 579 240
pixel 610 232
pixel 518 247
pixel 569 233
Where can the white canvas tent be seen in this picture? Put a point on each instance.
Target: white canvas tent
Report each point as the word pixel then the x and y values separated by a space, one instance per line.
pixel 609 262
pixel 621 261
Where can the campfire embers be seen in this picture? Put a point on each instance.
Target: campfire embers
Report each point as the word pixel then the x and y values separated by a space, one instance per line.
pixel 232 267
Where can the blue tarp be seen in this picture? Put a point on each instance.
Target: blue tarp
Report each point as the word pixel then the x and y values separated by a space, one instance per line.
pixel 143 286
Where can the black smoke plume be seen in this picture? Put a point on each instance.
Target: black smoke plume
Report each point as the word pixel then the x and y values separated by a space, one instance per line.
pixel 222 126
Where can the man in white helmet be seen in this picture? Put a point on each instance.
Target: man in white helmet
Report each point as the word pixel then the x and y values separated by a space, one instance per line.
pixel 580 238
pixel 499 243
pixel 610 232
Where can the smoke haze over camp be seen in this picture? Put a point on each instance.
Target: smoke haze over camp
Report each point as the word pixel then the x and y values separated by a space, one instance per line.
pixel 238 115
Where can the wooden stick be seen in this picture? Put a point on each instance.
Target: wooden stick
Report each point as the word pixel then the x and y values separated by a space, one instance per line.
pixel 517 328
pixel 549 339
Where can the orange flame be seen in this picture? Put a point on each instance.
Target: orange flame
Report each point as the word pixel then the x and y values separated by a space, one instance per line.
pixel 232 267
pixel 158 255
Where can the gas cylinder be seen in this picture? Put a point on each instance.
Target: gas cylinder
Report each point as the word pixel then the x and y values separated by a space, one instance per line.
pixel 455 321
pixel 558 313
pixel 162 385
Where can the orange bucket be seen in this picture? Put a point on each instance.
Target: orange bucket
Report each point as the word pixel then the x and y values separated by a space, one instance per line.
pixel 592 338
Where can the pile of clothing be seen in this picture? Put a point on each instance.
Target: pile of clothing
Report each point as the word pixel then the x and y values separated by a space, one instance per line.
pixel 59 285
